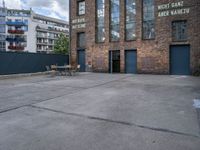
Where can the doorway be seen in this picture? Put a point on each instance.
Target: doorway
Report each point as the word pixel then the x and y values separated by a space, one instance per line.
pixel 114 61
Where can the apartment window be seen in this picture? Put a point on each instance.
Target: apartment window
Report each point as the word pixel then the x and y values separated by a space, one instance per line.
pixel 81 7
pixel 81 40
pixel 10 28
pixel 130 22
pixel 2 11
pixel 2 45
pixel 100 20
pixel 18 20
pixel 148 19
pixel 2 37
pixel 25 28
pixel 2 20
pixel 26 22
pixel 2 29
pixel 179 30
pixel 114 20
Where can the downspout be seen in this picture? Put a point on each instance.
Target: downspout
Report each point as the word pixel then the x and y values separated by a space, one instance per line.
pixel 70 32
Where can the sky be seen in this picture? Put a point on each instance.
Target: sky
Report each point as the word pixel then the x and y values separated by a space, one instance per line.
pixel 52 8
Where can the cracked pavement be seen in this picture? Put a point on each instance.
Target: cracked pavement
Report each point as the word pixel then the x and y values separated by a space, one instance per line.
pixel 94 111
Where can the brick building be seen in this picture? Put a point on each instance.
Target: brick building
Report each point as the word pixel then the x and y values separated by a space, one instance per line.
pixel 136 36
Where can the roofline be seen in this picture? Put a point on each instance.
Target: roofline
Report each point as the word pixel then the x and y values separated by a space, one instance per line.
pixel 39 16
pixel 25 10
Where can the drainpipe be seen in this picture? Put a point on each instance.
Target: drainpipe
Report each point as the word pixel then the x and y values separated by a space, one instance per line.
pixel 69 32
pixel 111 62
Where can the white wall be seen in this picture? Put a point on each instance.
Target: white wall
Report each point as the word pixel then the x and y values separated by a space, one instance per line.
pixel 32 36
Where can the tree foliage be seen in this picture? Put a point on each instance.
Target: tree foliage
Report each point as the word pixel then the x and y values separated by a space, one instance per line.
pixel 61 45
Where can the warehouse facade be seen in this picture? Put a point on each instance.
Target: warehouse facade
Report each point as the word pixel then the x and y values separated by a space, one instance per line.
pixel 136 36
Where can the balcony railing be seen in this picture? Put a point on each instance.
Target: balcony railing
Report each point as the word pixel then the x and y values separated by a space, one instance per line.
pixel 47 37
pixel 41 36
pixel 42 42
pixel 51 29
pixel 15 23
pixel 16 39
pixel 11 47
pixel 16 31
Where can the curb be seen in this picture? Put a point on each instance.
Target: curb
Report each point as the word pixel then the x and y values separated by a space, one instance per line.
pixel 12 76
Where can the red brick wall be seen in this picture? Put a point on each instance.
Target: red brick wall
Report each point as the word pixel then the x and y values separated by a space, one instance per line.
pixel 152 55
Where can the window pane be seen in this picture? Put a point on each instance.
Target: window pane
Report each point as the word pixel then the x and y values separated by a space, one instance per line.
pixel 2 37
pixel 100 28
pixel 130 20
pixel 2 46
pixel 179 30
pixel 2 29
pixel 81 7
pixel 115 32
pixel 148 19
pixel 148 30
pixel 115 20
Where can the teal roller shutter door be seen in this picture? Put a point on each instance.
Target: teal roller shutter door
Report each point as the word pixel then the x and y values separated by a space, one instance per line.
pixel 180 60
pixel 81 60
pixel 131 61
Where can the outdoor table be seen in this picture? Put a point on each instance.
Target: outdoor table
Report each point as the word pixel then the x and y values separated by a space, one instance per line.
pixel 66 69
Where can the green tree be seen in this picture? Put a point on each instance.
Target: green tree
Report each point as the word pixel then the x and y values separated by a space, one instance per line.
pixel 61 45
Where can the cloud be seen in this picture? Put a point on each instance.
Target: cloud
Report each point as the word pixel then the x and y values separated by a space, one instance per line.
pixel 15 4
pixel 53 8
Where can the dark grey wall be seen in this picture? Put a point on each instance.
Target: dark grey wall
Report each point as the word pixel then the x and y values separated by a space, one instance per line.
pixel 15 62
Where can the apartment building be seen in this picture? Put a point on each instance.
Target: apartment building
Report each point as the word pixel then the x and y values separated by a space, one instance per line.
pixel 24 30
pixel 136 36
pixel 48 31
pixel 2 28
pixel 19 31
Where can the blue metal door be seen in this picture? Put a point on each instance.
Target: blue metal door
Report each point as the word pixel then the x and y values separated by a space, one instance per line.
pixel 180 60
pixel 81 60
pixel 131 61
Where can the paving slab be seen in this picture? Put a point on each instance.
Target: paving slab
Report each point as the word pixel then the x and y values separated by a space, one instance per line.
pixel 144 103
pixel 31 128
pixel 100 111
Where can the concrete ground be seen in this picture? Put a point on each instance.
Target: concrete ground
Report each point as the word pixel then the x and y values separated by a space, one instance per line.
pixel 99 112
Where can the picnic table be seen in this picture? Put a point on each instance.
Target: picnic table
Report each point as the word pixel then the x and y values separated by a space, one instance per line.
pixel 67 69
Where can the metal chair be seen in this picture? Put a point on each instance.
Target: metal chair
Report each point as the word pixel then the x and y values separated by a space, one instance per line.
pixel 49 71
pixel 76 70
pixel 53 70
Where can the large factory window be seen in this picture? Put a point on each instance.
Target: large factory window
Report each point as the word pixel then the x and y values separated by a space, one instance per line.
pixel 179 30
pixel 130 20
pixel 148 19
pixel 114 20
pixel 81 7
pixel 100 20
